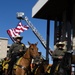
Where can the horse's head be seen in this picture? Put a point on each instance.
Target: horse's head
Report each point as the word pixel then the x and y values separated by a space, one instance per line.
pixel 33 50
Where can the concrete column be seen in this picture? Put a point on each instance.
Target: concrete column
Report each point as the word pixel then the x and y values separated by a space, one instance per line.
pixel 69 23
pixel 60 31
pixel 68 36
pixel 73 22
pixel 55 33
pixel 48 33
pixel 64 27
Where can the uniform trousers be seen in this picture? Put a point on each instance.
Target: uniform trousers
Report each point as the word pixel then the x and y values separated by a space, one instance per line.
pixel 13 61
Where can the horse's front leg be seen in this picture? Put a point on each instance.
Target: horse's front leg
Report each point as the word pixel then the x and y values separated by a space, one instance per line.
pixel 20 71
pixel 23 72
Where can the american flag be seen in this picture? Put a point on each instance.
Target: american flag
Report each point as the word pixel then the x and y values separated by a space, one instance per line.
pixel 16 31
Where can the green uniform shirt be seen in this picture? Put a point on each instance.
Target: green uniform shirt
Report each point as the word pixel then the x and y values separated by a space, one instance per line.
pixel 58 53
pixel 15 47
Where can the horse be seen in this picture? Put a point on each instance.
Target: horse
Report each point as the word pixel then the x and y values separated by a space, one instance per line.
pixel 23 66
pixel 38 69
pixel 44 68
pixel 64 68
pixel 41 67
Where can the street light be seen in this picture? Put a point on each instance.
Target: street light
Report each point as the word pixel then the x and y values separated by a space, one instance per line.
pixel 20 15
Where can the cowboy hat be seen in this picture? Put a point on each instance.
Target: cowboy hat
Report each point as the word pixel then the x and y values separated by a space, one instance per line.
pixel 18 37
pixel 60 44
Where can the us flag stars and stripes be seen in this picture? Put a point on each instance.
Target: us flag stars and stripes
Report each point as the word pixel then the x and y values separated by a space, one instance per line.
pixel 16 31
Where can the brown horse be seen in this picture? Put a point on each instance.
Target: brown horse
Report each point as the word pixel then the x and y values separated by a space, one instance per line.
pixel 23 66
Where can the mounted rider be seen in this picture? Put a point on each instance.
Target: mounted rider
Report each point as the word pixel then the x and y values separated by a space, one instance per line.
pixel 16 49
pixel 57 56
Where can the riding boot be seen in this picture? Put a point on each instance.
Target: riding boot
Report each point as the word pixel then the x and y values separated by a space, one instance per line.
pixel 11 63
pixel 10 67
pixel 9 71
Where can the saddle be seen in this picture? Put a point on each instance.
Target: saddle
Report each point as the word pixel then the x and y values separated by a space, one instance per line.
pixel 17 63
pixel 6 64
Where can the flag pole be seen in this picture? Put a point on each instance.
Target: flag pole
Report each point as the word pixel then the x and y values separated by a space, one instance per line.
pixel 12 39
pixel 10 36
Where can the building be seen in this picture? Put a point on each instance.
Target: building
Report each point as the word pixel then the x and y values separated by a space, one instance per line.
pixel 3 47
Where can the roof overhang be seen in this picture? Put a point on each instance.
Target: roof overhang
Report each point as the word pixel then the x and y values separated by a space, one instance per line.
pixel 49 9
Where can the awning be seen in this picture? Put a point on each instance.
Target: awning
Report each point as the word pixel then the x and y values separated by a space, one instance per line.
pixel 49 9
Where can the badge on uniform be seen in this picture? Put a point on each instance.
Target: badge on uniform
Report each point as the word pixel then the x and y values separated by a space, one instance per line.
pixel 22 44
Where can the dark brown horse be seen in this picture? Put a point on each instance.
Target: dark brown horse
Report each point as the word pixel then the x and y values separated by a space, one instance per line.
pixel 23 65
pixel 41 68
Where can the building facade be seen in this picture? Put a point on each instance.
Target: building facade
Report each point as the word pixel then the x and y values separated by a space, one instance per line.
pixel 3 47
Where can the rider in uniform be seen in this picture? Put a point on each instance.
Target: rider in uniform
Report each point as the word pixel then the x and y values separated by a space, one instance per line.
pixel 57 56
pixel 16 49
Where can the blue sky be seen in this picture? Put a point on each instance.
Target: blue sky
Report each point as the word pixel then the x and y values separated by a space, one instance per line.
pixel 8 10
